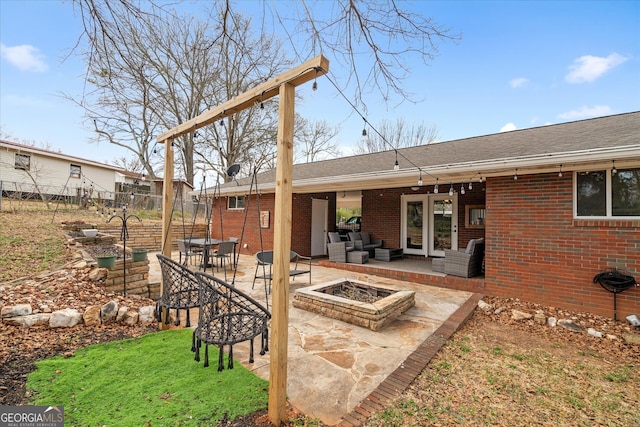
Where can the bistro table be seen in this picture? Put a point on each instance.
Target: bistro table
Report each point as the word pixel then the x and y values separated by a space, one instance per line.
pixel 206 245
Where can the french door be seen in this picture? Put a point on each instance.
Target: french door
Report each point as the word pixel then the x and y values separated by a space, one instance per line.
pixel 428 224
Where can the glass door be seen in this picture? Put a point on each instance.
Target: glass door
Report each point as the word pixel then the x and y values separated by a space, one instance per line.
pixel 443 227
pixel 413 228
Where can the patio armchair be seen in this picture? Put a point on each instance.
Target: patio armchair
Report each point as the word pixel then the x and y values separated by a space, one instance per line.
pixel 465 263
pixel 338 248
pixel 364 242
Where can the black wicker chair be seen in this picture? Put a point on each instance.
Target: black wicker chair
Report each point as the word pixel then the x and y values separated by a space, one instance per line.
pixel 228 316
pixel 179 289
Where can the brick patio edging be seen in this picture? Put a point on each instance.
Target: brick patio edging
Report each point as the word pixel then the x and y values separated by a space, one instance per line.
pixel 397 382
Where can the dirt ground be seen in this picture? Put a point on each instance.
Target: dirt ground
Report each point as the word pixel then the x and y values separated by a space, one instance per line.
pixel 494 371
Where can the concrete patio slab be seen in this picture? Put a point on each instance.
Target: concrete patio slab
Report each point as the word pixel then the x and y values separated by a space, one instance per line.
pixel 337 370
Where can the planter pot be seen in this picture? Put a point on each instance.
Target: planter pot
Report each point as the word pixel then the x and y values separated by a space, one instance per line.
pixel 107 261
pixel 90 232
pixel 138 255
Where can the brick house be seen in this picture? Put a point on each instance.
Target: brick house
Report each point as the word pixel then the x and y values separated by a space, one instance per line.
pixel 556 204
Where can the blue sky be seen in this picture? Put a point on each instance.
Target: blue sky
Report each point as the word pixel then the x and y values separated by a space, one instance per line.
pixel 519 64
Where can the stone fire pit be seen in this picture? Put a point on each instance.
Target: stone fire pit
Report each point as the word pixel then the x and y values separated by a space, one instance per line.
pixel 355 302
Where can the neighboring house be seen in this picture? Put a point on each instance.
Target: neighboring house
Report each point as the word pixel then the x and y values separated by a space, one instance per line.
pixel 27 171
pixel 132 182
pixel 556 204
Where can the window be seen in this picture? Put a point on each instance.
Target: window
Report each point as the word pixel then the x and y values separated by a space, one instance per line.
pixel 608 194
pixel 75 171
pixel 23 162
pixel 235 202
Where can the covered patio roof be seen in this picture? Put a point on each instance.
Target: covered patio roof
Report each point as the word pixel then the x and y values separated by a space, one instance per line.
pixel 581 145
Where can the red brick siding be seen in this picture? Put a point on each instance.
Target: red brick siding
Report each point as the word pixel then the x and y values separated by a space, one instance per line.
pixel 300 226
pixel 537 251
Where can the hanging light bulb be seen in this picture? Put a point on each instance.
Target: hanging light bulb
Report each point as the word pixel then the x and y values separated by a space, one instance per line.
pixel 314 87
pixel 470 186
pixel 451 190
pixel 462 189
pixel 614 170
pixel 560 173
pixel 420 180
pixel 435 187
pixel 480 179
pixel 396 165
pixel 515 176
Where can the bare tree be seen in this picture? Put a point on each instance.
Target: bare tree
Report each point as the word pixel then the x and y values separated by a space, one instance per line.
pixel 168 71
pixel 314 140
pixel 389 135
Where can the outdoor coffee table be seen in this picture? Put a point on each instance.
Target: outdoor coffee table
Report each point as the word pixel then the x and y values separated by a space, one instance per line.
pixel 388 254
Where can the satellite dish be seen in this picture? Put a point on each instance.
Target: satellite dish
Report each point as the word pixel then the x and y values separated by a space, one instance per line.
pixel 233 170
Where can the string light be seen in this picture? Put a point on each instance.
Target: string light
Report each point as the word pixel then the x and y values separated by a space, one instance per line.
pixel 420 180
pixel 314 87
pixel 451 190
pixel 515 176
pixel 470 186
pixel 435 187
pixel 614 170
pixel 560 172
pixel 462 189
pixel 396 165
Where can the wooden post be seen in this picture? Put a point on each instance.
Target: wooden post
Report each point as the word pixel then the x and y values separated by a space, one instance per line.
pixel 282 246
pixel 167 198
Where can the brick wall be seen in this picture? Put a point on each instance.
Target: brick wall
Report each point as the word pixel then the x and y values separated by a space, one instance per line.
pixel 537 251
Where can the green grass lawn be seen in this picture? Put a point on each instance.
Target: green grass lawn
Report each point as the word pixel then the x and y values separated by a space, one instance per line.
pixel 147 381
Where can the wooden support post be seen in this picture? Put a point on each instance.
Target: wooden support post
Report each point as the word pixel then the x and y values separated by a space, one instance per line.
pixel 281 247
pixel 167 198
pixel 167 206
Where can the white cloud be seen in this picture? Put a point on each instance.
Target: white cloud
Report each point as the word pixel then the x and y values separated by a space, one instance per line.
pixel 508 127
pixel 518 82
pixel 585 112
pixel 25 57
pixel 588 68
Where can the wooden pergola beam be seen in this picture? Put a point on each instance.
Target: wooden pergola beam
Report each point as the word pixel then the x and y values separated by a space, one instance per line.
pixel 301 74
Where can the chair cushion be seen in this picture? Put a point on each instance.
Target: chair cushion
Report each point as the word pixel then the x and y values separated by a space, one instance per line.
pixel 333 237
pixel 472 245
pixel 354 236
pixel 366 239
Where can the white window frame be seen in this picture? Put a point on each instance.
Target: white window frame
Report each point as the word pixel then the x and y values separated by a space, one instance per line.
pixel 608 200
pixel 234 206
pixel 25 166
pixel 71 171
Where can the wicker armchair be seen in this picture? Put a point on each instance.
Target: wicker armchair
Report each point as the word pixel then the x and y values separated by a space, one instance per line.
pixel 228 316
pixel 337 248
pixel 467 263
pixel 364 242
pixel 179 289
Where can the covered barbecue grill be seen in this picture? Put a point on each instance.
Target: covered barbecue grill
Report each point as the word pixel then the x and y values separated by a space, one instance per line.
pixel 615 281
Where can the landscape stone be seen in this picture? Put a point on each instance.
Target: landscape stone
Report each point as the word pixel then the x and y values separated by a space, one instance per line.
pixel 147 314
pixel 122 312
pixel 131 318
pixel 540 318
pixel 484 306
pixel 109 312
pixel 15 310
pixel 552 321
pixel 520 315
pixel 570 325
pixel 594 333
pixel 28 320
pixel 66 318
pixel 91 316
